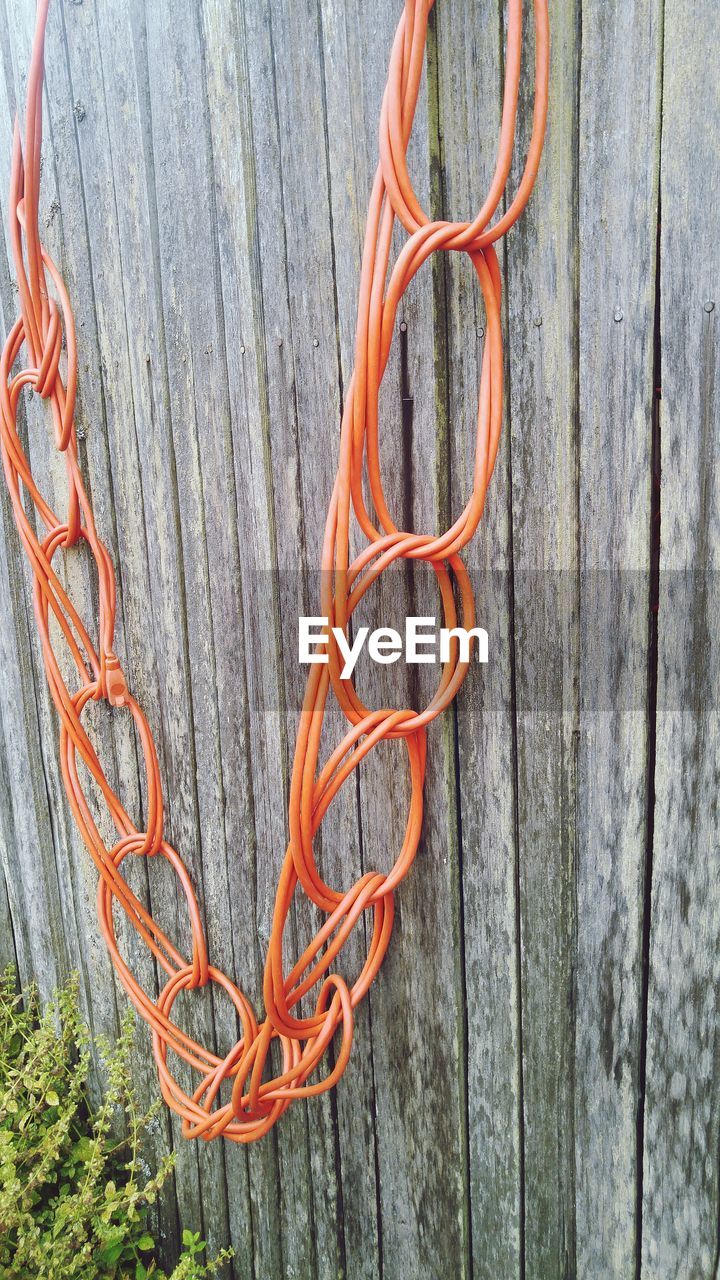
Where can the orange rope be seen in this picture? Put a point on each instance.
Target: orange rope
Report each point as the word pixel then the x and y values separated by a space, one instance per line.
pixel 257 1102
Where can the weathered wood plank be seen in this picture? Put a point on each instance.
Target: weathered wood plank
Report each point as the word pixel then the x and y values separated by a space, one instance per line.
pixel 8 941
pixel 28 851
pixel 258 799
pixel 55 857
pixel 296 343
pixel 59 860
pixel 381 1221
pixel 681 1195
pixel 68 238
pixel 619 130
pixel 542 302
pixel 353 42
pixel 416 1013
pixel 470 88
pixel 204 578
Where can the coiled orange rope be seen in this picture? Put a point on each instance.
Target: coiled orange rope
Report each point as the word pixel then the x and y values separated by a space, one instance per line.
pixel 257 1102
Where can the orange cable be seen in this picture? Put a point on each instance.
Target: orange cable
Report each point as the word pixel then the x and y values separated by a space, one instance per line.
pixel 257 1102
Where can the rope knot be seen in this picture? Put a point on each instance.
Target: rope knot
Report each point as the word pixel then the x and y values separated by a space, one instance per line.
pixel 116 690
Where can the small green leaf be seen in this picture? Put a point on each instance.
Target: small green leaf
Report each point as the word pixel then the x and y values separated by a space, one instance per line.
pixel 110 1253
pixel 82 1149
pixel 52 1098
pixel 188 1238
pixel 146 1242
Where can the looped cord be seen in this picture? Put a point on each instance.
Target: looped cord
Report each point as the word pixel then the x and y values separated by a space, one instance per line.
pixel 262 1090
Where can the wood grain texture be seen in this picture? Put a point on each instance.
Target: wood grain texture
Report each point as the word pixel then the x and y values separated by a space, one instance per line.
pixel 619 134
pixel 469 98
pixel 542 411
pixel 534 1086
pixel 681 1199
pixel 416 1012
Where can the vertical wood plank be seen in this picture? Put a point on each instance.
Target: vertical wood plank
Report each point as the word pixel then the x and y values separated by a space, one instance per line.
pixel 51 853
pixel 682 1105
pixel 193 385
pixel 542 321
pixel 258 798
pixel 354 43
pixel 292 243
pixel 104 396
pixel 8 940
pixel 416 1011
pixel 618 135
pixel 28 843
pixel 470 89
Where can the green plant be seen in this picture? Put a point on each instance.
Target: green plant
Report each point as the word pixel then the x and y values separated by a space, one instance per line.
pixel 73 1200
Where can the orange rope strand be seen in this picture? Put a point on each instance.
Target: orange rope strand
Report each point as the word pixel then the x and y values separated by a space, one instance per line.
pixel 257 1102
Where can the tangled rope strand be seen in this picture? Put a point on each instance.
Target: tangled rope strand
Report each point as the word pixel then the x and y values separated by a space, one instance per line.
pixel 257 1102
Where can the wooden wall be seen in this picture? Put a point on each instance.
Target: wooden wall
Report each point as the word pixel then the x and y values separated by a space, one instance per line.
pixel 535 1087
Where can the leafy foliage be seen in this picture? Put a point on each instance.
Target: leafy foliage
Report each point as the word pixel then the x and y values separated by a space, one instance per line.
pixel 73 1198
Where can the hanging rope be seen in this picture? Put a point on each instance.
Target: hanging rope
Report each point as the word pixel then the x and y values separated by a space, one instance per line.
pixel 256 1101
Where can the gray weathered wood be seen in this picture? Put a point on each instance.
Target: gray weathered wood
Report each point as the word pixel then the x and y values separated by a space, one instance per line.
pixel 469 99
pixel 542 321
pixel 681 1198
pixel 619 152
pixel 206 173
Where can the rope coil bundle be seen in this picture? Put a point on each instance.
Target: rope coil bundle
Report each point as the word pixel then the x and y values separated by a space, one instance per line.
pixel 257 1102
